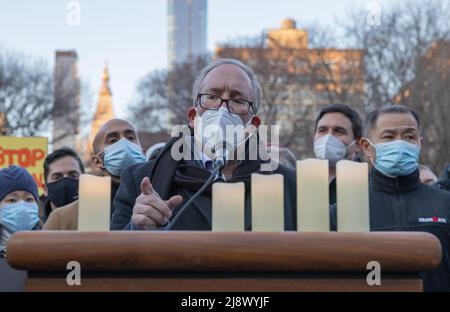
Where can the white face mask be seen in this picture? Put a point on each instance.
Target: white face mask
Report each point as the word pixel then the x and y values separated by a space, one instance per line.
pixel 217 127
pixel 331 148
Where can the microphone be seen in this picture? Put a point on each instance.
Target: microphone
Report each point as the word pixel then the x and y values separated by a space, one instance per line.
pixel 222 151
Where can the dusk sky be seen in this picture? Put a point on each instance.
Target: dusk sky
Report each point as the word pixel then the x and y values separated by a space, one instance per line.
pixel 132 35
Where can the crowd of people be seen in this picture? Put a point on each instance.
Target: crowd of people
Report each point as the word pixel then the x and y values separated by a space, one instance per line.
pixel 148 192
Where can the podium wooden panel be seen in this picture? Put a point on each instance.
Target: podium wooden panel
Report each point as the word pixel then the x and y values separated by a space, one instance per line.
pixel 214 261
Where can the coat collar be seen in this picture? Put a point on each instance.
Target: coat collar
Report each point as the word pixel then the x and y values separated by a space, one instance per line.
pixel 386 184
pixel 165 167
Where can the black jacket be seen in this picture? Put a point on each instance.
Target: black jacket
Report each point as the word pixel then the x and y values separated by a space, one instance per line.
pixel 170 177
pixel 332 191
pixel 405 204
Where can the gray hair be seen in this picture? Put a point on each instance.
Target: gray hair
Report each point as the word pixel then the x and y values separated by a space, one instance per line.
pixel 256 87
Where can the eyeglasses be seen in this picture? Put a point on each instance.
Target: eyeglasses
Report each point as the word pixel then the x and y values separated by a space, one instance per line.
pixel 214 102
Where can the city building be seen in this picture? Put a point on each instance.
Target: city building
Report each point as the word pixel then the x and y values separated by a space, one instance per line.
pixel 297 80
pixel 187 24
pixel 66 109
pixel 104 111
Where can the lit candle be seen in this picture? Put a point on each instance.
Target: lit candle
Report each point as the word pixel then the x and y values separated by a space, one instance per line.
pixel 228 207
pixel 94 203
pixel 352 185
pixel 267 203
pixel 313 213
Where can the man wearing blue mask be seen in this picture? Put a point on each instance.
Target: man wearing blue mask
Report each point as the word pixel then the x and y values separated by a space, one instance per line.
pixel 398 200
pixel 116 146
pixel 338 131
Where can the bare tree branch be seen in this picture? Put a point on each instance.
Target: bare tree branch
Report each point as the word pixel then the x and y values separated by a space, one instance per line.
pixel 406 63
pixel 163 97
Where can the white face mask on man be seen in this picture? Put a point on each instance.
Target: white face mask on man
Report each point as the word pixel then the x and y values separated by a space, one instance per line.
pixel 331 148
pixel 216 128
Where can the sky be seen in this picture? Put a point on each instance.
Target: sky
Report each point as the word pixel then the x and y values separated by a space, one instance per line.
pixel 131 36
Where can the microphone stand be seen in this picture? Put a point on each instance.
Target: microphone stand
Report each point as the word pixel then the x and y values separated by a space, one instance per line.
pixel 219 163
pixel 215 176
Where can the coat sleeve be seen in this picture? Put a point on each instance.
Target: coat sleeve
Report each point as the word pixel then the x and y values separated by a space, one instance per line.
pixel 124 202
pixel 52 223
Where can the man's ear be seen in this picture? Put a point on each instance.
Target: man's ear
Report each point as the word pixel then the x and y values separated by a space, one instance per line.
pixel 358 145
pixel 191 113
pixel 256 121
pixel 97 162
pixel 366 148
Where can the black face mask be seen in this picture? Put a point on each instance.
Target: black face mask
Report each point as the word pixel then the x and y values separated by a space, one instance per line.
pixel 63 192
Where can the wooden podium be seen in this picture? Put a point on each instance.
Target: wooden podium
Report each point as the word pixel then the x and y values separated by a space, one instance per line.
pixel 215 261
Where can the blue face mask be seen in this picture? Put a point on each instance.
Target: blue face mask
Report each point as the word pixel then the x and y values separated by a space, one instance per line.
pixel 120 155
pixel 21 216
pixel 396 158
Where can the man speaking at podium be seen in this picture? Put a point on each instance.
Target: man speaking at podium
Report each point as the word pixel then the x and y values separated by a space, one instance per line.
pixel 226 93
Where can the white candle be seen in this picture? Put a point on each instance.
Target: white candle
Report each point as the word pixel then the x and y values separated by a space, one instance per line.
pixel 228 207
pixel 313 213
pixel 352 181
pixel 94 203
pixel 267 203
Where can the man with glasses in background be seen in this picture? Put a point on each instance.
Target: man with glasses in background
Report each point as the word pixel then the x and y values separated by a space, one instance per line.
pixel 226 93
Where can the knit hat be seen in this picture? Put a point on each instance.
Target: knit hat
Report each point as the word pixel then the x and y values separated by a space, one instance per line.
pixel 17 178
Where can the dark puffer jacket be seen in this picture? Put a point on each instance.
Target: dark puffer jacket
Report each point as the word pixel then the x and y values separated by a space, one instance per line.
pixel 405 204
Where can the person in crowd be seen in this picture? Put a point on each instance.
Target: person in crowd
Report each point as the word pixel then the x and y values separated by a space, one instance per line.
pixel 18 204
pixel 427 176
pixel 338 130
pixel 398 201
pixel 115 146
pixel 225 93
pixel 62 169
pixel 444 180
